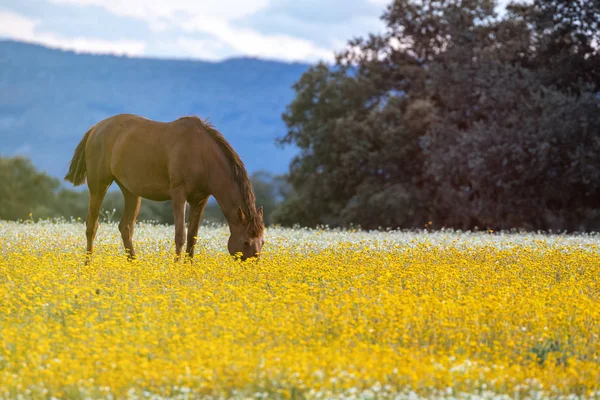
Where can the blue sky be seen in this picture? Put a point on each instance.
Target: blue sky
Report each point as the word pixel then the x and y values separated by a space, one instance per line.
pixel 288 30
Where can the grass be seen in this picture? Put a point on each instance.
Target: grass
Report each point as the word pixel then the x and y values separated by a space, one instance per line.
pixel 323 314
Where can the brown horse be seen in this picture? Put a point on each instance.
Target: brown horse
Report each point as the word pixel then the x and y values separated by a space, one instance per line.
pixel 186 160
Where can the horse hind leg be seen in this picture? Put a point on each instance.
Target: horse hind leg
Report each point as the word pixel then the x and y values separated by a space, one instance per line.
pixel 196 209
pixel 127 223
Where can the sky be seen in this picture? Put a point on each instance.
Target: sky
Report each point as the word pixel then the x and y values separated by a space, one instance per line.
pixel 285 30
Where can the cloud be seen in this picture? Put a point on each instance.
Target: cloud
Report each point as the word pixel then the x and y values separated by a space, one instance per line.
pixel 252 43
pixel 19 27
pixel 282 48
pixel 162 13
pixel 289 30
pixel 328 24
pixel 203 48
pixel 286 30
pixel 16 26
pixel 214 20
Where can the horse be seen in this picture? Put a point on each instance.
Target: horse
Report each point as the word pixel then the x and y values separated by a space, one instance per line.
pixel 185 160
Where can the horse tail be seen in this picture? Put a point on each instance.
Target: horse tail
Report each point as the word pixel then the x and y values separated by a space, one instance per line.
pixel 77 170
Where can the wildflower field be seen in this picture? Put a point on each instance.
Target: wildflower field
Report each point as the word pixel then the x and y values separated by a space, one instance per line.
pixel 322 314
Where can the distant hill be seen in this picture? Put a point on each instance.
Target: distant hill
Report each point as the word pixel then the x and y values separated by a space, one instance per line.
pixel 49 98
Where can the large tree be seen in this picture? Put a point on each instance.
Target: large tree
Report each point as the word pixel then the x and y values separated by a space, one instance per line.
pixel 393 133
pixel 359 123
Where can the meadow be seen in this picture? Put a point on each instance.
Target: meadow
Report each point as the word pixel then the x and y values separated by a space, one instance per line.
pixel 323 314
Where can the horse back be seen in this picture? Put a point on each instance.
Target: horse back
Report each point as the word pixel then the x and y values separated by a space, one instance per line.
pixel 146 157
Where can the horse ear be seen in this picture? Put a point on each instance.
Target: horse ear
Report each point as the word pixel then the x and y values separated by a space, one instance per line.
pixel 241 215
pixel 260 212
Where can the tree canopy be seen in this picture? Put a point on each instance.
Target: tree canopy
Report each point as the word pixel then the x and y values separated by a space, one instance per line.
pixel 455 116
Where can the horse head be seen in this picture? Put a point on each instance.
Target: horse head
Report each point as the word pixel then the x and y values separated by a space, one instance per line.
pixel 247 236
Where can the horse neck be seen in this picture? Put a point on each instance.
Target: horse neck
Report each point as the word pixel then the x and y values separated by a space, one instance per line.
pixel 228 194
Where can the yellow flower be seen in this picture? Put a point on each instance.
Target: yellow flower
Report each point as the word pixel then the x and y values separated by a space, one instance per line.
pixel 321 314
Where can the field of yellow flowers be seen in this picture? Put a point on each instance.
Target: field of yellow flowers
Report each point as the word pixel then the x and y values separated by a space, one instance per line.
pixel 323 314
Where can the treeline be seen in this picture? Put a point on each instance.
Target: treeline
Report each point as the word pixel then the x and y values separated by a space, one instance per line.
pixel 29 194
pixel 456 116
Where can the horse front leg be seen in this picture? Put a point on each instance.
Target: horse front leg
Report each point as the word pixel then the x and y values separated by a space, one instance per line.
pixel 127 224
pixel 91 222
pixel 178 200
pixel 196 209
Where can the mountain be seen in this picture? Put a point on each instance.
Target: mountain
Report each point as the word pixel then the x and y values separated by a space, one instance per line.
pixel 49 98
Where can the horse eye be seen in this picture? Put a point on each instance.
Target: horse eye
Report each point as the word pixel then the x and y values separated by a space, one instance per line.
pixel 246 243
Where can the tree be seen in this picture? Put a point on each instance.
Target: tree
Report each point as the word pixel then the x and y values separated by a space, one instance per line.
pixel 359 123
pixel 24 191
pixel 517 133
pixel 454 115
pixel 566 37
pixel 512 153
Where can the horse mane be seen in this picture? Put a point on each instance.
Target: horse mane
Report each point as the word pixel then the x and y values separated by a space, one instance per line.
pixel 241 176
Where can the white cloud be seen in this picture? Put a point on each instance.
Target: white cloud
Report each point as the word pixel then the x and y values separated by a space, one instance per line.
pixel 161 11
pixel 205 49
pixel 215 19
pixel 283 48
pixel 252 43
pixel 19 27
pixel 15 25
